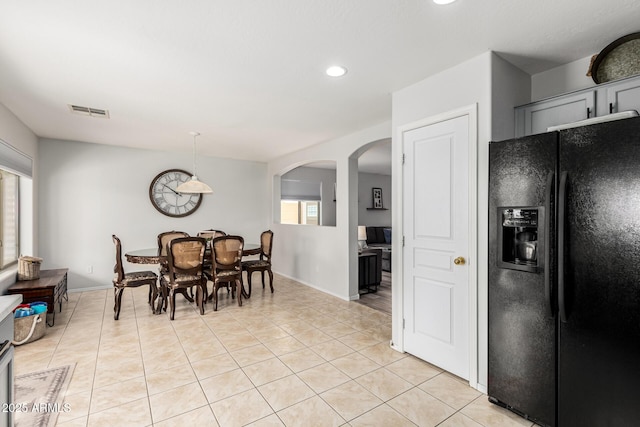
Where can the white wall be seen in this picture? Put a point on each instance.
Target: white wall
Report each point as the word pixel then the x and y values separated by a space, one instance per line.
pixel 325 257
pixel 367 181
pixel 90 191
pixel 466 84
pixel 562 79
pixel 470 83
pixel 510 87
pixel 20 137
pixel 327 177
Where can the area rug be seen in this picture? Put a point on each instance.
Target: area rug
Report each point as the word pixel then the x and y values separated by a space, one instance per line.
pixel 39 396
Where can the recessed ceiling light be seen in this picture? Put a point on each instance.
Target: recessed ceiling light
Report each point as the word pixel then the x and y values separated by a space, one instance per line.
pixel 443 1
pixel 336 71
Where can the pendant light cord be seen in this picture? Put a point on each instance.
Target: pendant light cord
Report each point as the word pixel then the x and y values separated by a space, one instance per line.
pixel 195 171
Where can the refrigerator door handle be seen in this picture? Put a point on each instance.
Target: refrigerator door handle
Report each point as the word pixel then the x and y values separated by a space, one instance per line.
pixel 562 200
pixel 547 243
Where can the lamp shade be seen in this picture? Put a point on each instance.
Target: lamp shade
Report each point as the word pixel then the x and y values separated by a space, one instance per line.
pixel 362 232
pixel 193 186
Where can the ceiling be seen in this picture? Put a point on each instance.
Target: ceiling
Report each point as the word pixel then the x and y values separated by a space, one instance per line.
pixel 376 159
pixel 249 74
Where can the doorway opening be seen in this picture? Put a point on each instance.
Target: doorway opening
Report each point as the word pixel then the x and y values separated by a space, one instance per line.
pixel 374 226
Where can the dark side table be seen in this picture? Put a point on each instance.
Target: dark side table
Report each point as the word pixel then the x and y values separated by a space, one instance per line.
pixel 368 280
pixel 51 287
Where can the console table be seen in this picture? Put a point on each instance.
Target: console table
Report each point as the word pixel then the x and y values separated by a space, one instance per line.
pixel 51 287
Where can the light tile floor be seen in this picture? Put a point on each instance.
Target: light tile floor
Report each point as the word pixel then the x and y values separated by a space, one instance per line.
pixel 297 357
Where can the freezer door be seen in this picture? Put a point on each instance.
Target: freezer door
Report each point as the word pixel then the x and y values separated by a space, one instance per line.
pixel 522 327
pixel 599 289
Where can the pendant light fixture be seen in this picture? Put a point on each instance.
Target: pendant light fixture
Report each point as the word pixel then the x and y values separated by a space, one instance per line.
pixel 193 185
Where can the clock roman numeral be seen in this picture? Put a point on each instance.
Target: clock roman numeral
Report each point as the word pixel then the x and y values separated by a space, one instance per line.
pixel 165 198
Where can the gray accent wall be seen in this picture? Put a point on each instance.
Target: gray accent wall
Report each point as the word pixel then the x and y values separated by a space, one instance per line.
pixel 366 182
pixel 90 191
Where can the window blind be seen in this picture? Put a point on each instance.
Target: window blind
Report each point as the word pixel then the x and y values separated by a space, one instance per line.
pixel 300 190
pixel 9 225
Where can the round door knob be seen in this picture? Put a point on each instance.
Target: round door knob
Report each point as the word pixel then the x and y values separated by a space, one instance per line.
pixel 459 261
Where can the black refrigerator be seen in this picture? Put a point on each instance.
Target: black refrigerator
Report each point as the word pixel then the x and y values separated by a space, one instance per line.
pixel 564 275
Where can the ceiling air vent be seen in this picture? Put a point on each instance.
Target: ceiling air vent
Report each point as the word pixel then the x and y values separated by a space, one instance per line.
pixel 88 111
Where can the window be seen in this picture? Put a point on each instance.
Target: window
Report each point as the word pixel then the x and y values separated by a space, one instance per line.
pixel 300 212
pixel 9 218
pixel 306 195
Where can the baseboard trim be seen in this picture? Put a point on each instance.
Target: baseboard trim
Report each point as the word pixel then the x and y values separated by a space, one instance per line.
pixel 92 288
pixel 316 287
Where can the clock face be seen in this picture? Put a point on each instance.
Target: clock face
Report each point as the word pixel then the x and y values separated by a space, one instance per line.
pixel 167 200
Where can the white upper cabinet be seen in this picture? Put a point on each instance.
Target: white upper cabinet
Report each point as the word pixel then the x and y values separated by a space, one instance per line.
pixel 537 117
pixel 614 97
pixel 621 96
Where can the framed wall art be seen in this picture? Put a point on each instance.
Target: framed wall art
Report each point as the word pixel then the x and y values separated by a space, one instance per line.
pixel 377 197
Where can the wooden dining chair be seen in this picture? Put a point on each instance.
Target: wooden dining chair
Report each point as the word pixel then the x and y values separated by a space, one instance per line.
pixel 263 263
pixel 166 237
pixel 163 241
pixel 185 261
pixel 211 234
pixel 226 266
pixel 132 279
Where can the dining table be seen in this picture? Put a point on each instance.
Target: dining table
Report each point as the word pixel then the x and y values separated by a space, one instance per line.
pixel 151 256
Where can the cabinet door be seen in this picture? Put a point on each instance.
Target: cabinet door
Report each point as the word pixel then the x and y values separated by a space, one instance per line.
pixel 540 115
pixel 621 96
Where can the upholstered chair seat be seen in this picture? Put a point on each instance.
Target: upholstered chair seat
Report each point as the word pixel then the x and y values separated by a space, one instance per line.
pixel 184 278
pixel 136 276
pixel 258 263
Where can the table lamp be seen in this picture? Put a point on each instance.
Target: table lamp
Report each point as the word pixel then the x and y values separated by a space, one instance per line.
pixel 362 237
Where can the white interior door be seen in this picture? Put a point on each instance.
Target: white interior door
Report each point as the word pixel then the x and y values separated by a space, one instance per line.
pixel 436 244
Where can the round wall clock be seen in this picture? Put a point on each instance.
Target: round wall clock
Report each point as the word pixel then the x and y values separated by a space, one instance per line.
pixel 167 200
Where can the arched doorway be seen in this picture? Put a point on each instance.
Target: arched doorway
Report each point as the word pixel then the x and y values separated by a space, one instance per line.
pixel 373 224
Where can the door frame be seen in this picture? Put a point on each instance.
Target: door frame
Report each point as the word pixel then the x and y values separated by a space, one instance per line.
pixel 397 288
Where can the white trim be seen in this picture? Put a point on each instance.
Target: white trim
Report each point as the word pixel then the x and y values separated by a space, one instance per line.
pixel 398 276
pixel 473 246
pixel 15 161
